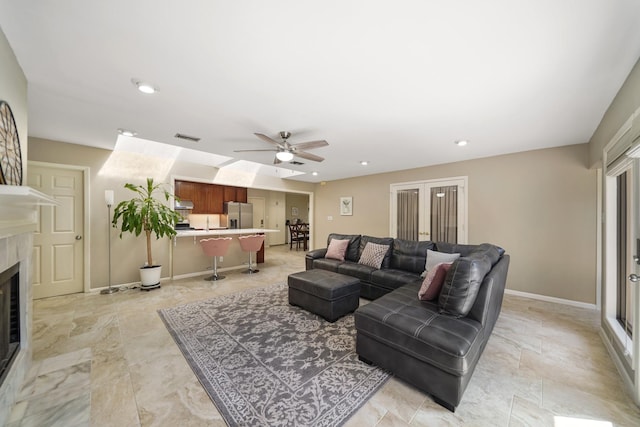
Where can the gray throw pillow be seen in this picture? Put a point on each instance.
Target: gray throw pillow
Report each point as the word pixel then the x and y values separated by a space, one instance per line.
pixel 434 258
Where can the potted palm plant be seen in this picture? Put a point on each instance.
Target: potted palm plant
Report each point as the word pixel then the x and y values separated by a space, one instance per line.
pixel 145 213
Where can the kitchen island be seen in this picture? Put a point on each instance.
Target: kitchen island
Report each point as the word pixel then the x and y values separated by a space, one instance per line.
pixel 187 259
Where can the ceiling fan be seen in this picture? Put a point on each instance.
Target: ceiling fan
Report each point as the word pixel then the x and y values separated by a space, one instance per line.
pixel 286 151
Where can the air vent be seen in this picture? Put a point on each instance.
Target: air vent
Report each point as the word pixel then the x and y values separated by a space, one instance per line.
pixel 296 163
pixel 187 137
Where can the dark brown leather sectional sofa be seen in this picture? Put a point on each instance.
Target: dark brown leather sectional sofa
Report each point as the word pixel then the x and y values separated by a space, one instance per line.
pixel 433 345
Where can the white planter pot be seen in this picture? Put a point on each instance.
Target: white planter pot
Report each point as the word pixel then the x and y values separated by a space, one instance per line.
pixel 150 277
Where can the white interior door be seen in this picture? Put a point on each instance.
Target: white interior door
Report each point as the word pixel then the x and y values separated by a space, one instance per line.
pixel 430 210
pixel 58 245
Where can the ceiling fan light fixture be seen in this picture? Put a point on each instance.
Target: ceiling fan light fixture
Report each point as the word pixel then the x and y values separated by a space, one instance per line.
pixel 125 132
pixel 284 156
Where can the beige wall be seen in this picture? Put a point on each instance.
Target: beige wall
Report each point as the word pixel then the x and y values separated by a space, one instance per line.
pixel 111 170
pixel 13 90
pixel 300 201
pixel 539 205
pixel 626 102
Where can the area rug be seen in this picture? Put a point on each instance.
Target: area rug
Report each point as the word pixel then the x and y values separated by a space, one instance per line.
pixel 264 362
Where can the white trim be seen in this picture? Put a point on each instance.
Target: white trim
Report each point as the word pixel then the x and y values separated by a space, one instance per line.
pixel 551 299
pixel 599 231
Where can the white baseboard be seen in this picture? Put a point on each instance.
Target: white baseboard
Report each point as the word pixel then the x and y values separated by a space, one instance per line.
pixel 179 276
pixel 551 299
pixel 209 271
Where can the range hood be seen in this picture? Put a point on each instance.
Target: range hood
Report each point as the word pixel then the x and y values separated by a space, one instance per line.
pixel 183 205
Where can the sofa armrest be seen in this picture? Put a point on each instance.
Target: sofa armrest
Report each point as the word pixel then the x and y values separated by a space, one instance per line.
pixel 312 255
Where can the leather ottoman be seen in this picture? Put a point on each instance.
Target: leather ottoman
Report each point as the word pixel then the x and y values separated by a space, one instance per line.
pixel 325 293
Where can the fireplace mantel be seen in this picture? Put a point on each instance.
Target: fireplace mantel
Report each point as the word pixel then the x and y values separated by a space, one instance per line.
pixel 19 209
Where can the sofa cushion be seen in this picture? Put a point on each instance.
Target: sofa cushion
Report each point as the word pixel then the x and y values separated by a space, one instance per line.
pixel 373 254
pixel 400 320
pixel 386 241
pixel 432 283
pixel 327 264
pixel 337 249
pixel 353 269
pixel 391 279
pixel 353 251
pixel 462 284
pixel 409 255
pixel 434 258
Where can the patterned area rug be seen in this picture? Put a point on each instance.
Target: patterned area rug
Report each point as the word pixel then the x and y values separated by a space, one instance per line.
pixel 266 363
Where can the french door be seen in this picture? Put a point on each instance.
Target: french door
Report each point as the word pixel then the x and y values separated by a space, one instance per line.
pixel 621 296
pixel 433 210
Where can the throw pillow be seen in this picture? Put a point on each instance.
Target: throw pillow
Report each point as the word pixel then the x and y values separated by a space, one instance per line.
pixel 337 248
pixel 434 258
pixel 433 282
pixel 373 255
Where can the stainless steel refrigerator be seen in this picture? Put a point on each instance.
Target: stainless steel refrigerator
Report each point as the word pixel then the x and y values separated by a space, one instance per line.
pixel 239 215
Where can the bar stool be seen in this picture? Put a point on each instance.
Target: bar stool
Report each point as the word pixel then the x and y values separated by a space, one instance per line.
pixel 250 244
pixel 215 247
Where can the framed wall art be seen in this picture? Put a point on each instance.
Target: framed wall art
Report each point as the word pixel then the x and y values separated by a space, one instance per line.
pixel 346 205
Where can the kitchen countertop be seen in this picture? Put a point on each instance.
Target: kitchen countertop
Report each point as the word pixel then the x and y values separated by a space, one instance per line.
pixel 224 232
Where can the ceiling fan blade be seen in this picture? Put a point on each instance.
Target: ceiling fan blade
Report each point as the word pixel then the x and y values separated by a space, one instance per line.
pixel 262 149
pixel 311 144
pixel 308 156
pixel 267 139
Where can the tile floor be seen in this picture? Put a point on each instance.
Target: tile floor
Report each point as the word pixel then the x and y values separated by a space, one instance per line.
pixel 107 360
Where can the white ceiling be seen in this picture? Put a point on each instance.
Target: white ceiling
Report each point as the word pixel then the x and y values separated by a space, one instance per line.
pixel 391 82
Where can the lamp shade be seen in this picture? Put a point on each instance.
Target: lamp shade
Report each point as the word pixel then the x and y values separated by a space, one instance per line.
pixel 284 156
pixel 108 197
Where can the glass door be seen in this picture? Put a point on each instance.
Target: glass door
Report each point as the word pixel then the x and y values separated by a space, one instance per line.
pixel 621 297
pixel 429 210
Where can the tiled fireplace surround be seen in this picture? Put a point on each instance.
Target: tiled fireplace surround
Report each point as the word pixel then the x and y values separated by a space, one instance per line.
pixel 18 221
pixel 13 249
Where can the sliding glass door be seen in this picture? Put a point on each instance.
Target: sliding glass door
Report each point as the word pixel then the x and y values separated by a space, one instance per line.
pixel 429 210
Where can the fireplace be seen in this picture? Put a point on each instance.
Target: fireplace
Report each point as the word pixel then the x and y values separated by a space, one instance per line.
pixel 18 220
pixel 9 318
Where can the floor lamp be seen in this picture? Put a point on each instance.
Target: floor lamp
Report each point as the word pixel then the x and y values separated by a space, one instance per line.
pixel 108 198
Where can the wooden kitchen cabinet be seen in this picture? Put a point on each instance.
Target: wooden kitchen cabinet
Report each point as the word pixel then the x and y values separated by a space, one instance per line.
pixel 209 198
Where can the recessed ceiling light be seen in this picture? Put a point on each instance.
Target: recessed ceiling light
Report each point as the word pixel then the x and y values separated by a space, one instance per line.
pixel 314 173
pixel 144 87
pixel 125 132
pixel 461 142
pixel 364 163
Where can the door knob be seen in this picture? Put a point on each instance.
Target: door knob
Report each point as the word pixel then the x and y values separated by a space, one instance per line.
pixel 634 278
pixel 78 237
